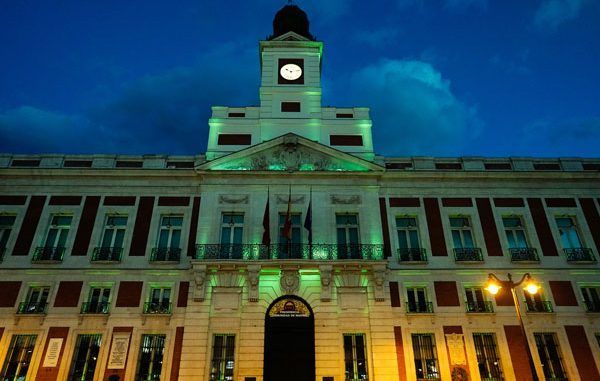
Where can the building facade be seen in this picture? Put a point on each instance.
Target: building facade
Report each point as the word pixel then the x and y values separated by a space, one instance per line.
pixel 290 251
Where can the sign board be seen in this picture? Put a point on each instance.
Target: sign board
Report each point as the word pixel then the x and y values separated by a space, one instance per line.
pixel 118 350
pixel 289 308
pixel 52 352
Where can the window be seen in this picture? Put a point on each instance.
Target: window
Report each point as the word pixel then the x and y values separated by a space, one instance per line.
pixel 488 360
pixel 535 303
pixel 18 358
pixel 462 238
pixel 290 106
pixel 36 301
pixel 98 301
pixel 6 225
pixel 549 352
pixel 232 230
pixel 56 239
pixel 476 300
pixel 417 300
pixel 222 364
pixel 169 237
pixel 290 248
pixel 591 298
pixel 347 236
pixel 409 246
pixel 159 301
pixel 569 234
pixel 598 338
pixel 85 357
pixel 355 357
pixel 111 246
pixel 426 365
pixel 150 359
pixel 515 232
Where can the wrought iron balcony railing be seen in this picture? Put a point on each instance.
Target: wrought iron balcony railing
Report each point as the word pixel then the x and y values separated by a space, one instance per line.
pixel 523 254
pixel 543 306
pixel 412 254
pixel 468 254
pixel 107 254
pixel 157 308
pixel 591 306
pixel 479 306
pixel 95 307
pixel 32 308
pixel 419 307
pixel 48 254
pixel 580 254
pixel 165 254
pixel 289 251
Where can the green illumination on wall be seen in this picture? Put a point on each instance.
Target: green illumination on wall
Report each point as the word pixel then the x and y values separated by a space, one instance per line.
pixel 276 167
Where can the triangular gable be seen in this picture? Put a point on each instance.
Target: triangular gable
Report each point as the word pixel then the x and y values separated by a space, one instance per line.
pixel 290 36
pixel 290 153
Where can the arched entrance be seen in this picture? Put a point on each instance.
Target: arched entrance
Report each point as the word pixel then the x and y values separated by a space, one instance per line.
pixel 289 340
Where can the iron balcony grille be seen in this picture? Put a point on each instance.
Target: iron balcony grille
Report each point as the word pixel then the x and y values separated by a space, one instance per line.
pixel 590 306
pixel 165 254
pixel 107 254
pixel 48 254
pixel 543 306
pixel 412 254
pixel 419 307
pixel 32 308
pixel 523 254
pixel 580 254
pixel 157 308
pixel 468 254
pixel 294 251
pixel 480 306
pixel 95 308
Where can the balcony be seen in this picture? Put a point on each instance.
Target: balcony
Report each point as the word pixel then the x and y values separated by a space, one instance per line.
pixel 48 254
pixel 480 306
pixel 95 308
pixel 157 308
pixel 414 255
pixel 32 308
pixel 580 255
pixel 523 254
pixel 591 306
pixel 419 307
pixel 289 251
pixel 539 306
pixel 165 254
pixel 468 254
pixel 107 254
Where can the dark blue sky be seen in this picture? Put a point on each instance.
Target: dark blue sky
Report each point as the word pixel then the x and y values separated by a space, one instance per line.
pixel 442 77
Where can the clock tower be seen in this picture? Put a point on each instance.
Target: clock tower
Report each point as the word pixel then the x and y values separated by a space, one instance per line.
pixel 290 98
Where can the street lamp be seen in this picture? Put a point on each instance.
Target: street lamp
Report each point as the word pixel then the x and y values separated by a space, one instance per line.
pixel 494 285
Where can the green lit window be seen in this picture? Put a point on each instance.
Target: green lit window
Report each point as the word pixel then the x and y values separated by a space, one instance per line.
pixel 476 300
pixel 169 235
pixel 290 247
pixel 591 298
pixel 159 301
pixel 85 357
pixel 515 232
pixel 150 359
pixel 488 359
pixel 98 301
pixel 58 231
pixel 417 300
pixel 232 233
pixel 408 233
pixel 114 231
pixel 462 234
pixel 549 352
pixel 18 359
pixel 355 357
pixel 6 225
pixel 223 362
pixel 36 301
pixel 426 362
pixel 569 233
pixel 347 236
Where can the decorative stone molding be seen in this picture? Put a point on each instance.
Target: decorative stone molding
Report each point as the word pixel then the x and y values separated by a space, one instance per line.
pixel 199 272
pixel 345 200
pixel 253 280
pixel 295 199
pixel 289 281
pixel 350 278
pixel 233 199
pixel 379 281
pixel 228 278
pixel 456 349
pixel 326 272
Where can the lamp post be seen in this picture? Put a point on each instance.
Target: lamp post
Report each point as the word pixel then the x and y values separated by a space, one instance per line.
pixel 495 284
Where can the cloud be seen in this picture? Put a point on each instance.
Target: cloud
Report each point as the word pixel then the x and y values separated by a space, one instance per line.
pixel 552 13
pixel 414 111
pixel 561 138
pixel 377 38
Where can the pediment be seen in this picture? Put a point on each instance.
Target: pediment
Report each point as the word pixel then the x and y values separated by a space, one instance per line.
pixel 290 153
pixel 290 36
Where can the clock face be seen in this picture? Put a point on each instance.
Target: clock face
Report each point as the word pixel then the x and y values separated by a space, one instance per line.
pixel 290 71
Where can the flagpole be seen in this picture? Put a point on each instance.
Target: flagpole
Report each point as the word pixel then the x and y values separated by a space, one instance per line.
pixel 310 253
pixel 289 221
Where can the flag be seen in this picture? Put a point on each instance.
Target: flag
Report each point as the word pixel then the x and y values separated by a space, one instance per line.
pixel 266 238
pixel 287 225
pixel 308 220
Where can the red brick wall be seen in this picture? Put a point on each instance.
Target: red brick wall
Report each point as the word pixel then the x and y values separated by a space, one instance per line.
pixel 68 294
pixel 563 294
pixel 142 227
pixel 434 225
pixel 518 352
pixel 395 294
pixel 542 227
pixel 182 298
pixel 9 293
pixel 400 353
pixel 488 225
pixel 446 294
pixel 86 226
pixel 580 347
pixel 129 294
pixel 29 225
pixel 177 354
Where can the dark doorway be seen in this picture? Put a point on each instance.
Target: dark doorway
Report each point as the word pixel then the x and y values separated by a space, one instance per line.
pixel 289 340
